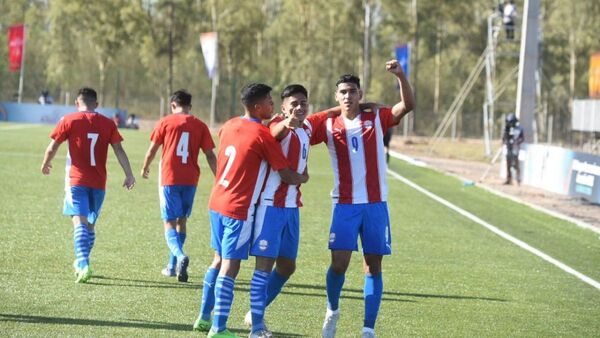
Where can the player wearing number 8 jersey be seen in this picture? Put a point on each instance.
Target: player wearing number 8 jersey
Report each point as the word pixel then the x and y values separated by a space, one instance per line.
pixel 246 151
pixel 88 134
pixel 182 136
pixel 355 143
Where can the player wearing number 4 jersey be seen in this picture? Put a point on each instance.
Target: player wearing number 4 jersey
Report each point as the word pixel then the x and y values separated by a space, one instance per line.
pixel 355 143
pixel 246 151
pixel 182 136
pixel 89 135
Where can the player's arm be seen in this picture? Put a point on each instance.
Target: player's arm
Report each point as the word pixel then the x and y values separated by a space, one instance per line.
pixel 124 162
pixel 280 129
pixel 291 177
pixel 211 159
pixel 49 155
pixel 148 159
pixel 407 102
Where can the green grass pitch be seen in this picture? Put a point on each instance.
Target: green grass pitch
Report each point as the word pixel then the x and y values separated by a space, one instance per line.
pixel 448 276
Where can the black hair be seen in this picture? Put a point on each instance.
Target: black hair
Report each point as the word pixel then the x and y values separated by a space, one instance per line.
pixel 348 78
pixel 88 95
pixel 293 89
pixel 181 98
pixel 253 93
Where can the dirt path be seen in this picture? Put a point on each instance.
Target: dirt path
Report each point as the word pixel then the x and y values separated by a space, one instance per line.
pixel 473 170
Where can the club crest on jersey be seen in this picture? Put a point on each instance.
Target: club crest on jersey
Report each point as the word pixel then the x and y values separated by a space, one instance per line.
pixel 332 237
pixel 263 244
pixel 368 124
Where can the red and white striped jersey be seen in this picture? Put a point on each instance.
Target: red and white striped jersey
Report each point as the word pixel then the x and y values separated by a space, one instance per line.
pixel 357 155
pixel 295 146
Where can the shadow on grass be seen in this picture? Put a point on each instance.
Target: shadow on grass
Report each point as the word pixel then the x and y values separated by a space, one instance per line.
pixel 139 283
pixel 4 317
pixel 385 293
pixel 128 323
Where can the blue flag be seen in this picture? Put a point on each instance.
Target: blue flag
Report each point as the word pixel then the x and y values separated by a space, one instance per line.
pixel 403 57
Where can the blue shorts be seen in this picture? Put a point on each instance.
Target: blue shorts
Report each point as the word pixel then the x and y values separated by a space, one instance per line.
pixel 230 237
pixel 83 201
pixel 276 232
pixel 369 220
pixel 176 201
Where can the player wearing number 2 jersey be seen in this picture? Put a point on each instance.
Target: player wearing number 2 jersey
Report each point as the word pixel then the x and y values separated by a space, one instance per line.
pixel 88 134
pixel 355 143
pixel 182 136
pixel 246 151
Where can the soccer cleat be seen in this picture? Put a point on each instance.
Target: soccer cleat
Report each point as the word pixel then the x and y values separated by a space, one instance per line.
pixel 264 333
pixel 368 333
pixel 168 272
pixel 182 266
pixel 202 325
pixel 84 275
pixel 223 334
pixel 76 267
pixel 330 323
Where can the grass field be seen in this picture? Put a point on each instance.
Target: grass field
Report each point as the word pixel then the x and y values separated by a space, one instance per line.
pixel 448 276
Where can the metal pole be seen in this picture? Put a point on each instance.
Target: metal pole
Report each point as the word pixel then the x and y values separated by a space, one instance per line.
pixel 213 99
pixel 366 49
pixel 22 65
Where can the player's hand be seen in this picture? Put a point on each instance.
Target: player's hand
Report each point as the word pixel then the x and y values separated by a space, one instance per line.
pixel 394 67
pixel 46 168
pixel 145 173
pixel 129 182
pixel 292 122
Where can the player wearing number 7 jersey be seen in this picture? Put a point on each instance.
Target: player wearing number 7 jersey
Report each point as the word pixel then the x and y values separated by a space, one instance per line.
pixel 355 143
pixel 182 136
pixel 89 135
pixel 246 151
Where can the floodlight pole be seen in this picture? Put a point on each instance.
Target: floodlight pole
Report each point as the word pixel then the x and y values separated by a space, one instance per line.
pixel 528 62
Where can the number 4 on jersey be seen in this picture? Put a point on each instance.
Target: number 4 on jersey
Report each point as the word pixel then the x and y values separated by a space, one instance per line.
pixel 182 147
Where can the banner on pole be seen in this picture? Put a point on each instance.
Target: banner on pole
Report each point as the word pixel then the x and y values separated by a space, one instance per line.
pixel 210 49
pixel 16 41
pixel 403 57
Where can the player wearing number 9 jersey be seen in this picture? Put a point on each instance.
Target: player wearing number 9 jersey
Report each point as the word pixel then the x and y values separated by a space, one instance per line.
pixel 355 143
pixel 246 151
pixel 182 136
pixel 88 134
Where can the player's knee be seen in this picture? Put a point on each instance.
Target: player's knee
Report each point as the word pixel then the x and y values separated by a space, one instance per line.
pixel 286 269
pixel 339 268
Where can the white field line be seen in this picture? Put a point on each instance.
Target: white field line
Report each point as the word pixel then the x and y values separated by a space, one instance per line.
pixel 497 231
pixel 552 213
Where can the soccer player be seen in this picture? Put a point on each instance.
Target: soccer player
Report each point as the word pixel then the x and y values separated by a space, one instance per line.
pixel 89 135
pixel 246 150
pixel 182 136
pixel 355 143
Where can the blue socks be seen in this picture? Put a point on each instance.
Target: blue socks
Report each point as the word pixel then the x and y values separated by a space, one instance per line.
pixel 276 282
pixel 335 283
pixel 173 243
pixel 81 246
pixel 258 295
pixel 172 258
pixel 208 293
pixel 91 241
pixel 373 292
pixel 223 300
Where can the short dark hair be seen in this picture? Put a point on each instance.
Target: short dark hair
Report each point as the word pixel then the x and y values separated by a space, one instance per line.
pixel 254 92
pixel 348 78
pixel 182 98
pixel 293 89
pixel 88 95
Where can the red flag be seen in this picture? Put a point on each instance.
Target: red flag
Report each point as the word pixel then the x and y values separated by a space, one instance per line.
pixel 16 41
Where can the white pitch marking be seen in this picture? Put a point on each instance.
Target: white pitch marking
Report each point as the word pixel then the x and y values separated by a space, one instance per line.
pixel 497 231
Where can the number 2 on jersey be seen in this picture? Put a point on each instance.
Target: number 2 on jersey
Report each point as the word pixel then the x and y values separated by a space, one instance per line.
pixel 94 138
pixel 230 153
pixel 182 147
